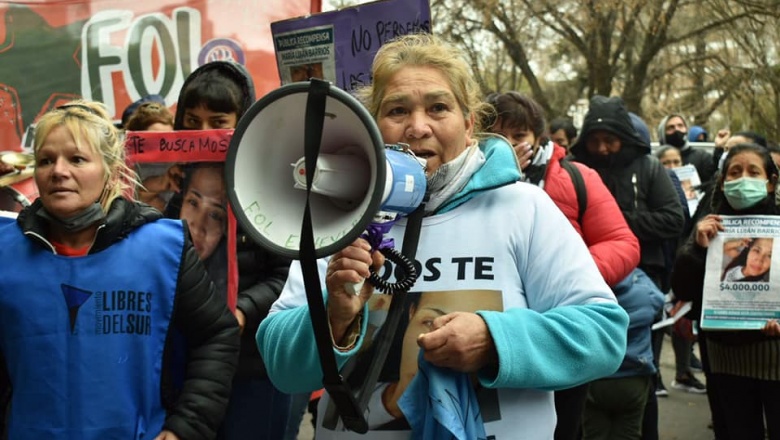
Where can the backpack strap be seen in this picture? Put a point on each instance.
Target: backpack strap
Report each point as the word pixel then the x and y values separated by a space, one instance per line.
pixel 579 187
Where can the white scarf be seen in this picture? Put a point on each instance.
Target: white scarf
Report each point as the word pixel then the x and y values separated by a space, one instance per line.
pixel 452 176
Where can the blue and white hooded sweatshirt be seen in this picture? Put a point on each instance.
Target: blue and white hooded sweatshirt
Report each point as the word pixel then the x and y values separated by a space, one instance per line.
pixel 559 324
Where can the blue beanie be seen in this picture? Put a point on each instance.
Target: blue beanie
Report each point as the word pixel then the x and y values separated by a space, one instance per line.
pixel 695 131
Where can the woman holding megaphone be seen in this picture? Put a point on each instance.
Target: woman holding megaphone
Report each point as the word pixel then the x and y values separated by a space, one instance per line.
pixel 560 325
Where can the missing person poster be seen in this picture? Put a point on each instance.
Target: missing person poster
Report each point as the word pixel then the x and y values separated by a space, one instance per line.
pixel 742 280
pixel 691 185
pixel 182 174
pixel 339 46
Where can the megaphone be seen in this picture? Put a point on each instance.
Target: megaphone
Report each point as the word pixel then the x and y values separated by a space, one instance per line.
pixel 307 174
pixel 357 176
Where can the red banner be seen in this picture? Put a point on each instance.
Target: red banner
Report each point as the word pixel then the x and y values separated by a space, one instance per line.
pixel 117 51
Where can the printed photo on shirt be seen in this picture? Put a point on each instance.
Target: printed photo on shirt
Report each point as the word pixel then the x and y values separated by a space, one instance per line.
pixel 401 365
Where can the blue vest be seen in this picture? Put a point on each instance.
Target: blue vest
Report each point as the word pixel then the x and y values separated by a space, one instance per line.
pixel 83 337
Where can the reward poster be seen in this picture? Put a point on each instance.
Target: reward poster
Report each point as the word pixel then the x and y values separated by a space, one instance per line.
pixel 742 279
pixel 339 46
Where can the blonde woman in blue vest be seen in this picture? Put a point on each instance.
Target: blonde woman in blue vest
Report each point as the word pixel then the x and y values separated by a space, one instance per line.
pixel 97 290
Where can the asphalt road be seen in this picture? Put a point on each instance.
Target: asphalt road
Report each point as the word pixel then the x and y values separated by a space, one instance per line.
pixel 682 415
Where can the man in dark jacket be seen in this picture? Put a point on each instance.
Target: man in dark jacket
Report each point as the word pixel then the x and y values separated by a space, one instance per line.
pixel 673 130
pixel 215 96
pixel 610 144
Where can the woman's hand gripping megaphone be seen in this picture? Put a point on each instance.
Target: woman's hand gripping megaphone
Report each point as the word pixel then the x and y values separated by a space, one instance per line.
pixel 347 269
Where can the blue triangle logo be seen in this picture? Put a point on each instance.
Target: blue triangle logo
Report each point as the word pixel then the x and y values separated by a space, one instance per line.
pixel 74 298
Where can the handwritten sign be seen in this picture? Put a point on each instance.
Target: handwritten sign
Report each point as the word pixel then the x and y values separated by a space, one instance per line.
pixel 177 146
pixel 173 165
pixel 339 46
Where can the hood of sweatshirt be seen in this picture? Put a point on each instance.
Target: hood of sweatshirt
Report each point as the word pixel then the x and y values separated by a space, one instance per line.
pixel 662 131
pixel 609 114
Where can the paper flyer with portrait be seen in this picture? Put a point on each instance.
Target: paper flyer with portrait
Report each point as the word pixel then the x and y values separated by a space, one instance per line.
pixel 339 46
pixel 742 280
pixel 691 183
pixel 182 175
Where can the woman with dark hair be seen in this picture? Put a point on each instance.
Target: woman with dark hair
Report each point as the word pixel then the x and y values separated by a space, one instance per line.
pixel 204 207
pixel 741 365
pixel 752 264
pixel 215 96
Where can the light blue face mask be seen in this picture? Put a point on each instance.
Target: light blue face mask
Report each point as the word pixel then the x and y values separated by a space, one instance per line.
pixel 745 192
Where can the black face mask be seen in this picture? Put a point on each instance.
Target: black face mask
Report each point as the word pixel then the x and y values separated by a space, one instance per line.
pixel 86 218
pixel 597 161
pixel 676 139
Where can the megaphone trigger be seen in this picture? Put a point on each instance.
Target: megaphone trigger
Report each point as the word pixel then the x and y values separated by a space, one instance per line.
pixel 354 288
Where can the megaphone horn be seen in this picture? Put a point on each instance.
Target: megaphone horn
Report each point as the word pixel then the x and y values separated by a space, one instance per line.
pixel 356 176
pixel 269 139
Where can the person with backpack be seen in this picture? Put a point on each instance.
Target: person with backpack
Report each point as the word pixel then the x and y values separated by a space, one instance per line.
pixel 582 197
pixel 611 145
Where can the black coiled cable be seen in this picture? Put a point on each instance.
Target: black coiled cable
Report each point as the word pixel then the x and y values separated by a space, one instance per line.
pixel 408 269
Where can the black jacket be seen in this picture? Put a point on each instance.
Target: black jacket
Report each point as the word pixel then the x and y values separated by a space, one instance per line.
pixel 200 314
pixel 700 159
pixel 637 180
pixel 261 273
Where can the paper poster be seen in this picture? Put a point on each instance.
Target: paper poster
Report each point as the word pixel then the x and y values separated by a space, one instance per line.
pixel 742 280
pixel 183 175
pixel 339 46
pixel 691 185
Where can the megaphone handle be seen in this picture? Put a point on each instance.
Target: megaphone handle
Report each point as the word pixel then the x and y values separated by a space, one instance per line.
pixel 354 288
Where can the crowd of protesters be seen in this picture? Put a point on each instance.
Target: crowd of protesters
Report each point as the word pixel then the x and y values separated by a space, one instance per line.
pixel 582 239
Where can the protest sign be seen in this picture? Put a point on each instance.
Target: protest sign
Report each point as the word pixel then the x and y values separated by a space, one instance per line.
pixel 117 51
pixel 691 185
pixel 339 46
pixel 742 280
pixel 182 175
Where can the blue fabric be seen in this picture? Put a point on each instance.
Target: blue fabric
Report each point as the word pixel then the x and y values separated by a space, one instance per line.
pixel 642 300
pixel 695 131
pixel 84 344
pixel 440 404
pixel 500 168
